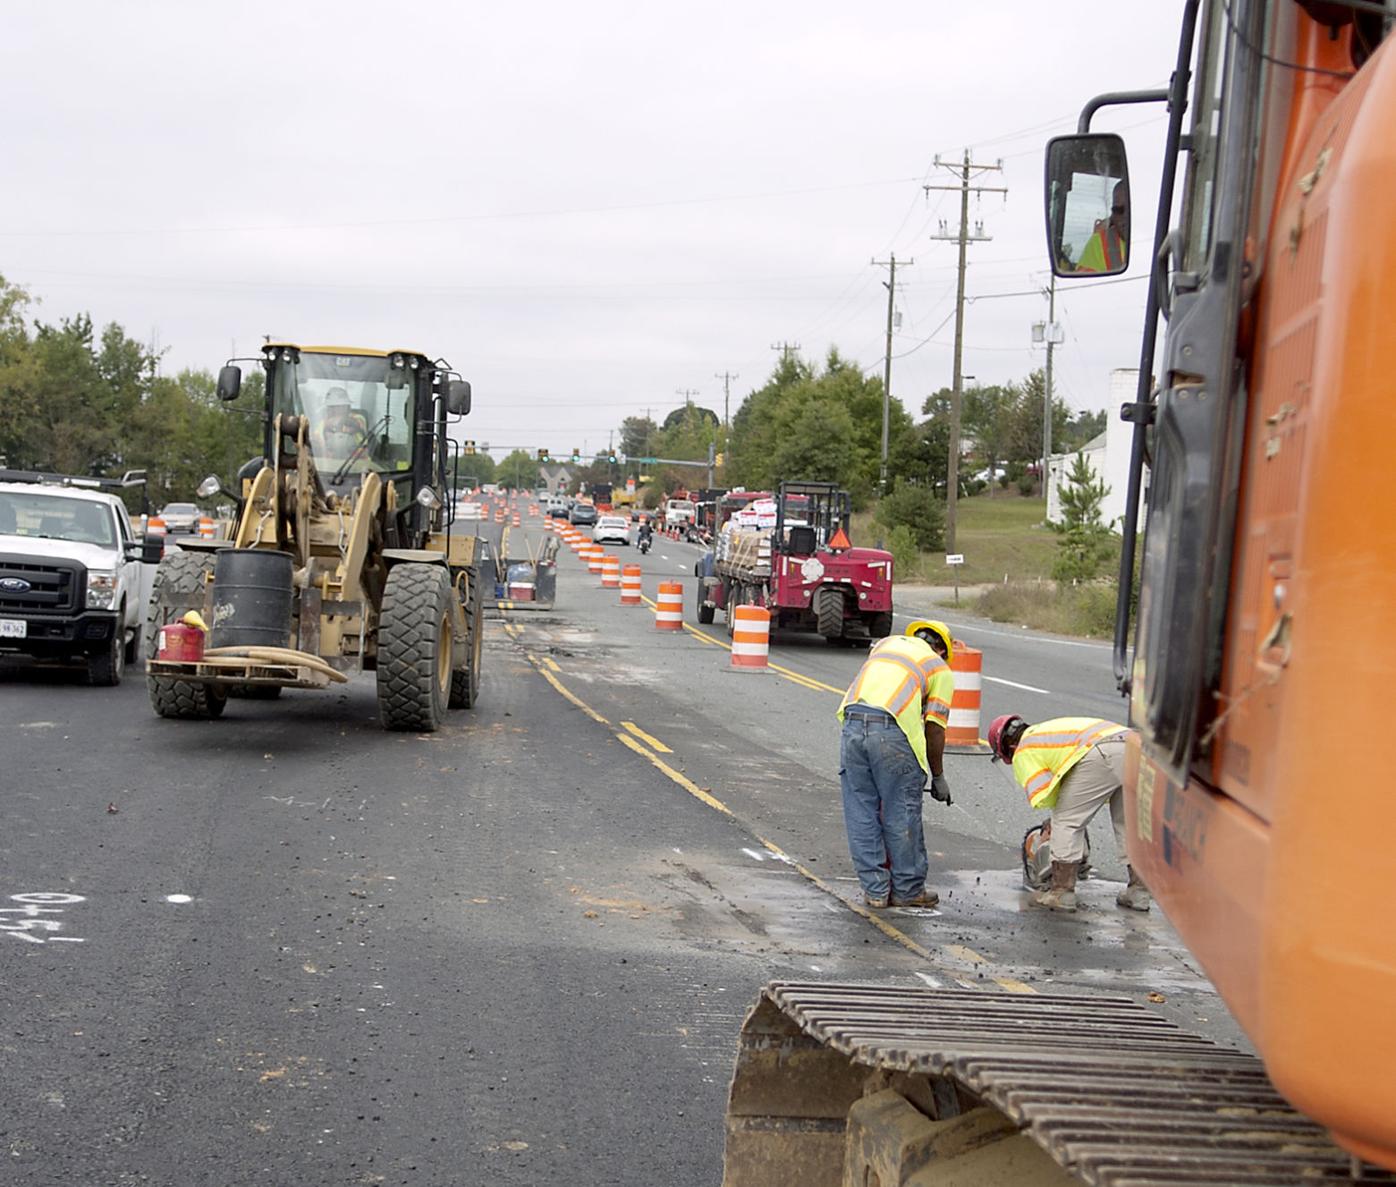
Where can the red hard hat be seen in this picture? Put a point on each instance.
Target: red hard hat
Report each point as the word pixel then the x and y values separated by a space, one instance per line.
pixel 997 728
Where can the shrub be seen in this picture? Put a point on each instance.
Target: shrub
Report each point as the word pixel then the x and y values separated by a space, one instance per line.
pixel 1064 610
pixel 918 510
pixel 901 543
pixel 1027 484
pixel 1086 543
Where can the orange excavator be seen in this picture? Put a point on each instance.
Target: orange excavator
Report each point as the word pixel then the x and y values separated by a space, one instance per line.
pixel 1258 680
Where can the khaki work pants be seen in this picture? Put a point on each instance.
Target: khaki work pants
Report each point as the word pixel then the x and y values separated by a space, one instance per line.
pixel 1097 780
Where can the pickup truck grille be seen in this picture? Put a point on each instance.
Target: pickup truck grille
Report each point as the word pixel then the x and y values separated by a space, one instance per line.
pixel 53 588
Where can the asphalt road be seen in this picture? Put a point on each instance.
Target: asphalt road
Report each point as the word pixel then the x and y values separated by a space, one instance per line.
pixel 289 948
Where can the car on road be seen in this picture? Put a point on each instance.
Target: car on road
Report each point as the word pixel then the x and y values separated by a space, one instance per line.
pixel 557 509
pixel 582 513
pixel 613 528
pixel 180 518
pixel 469 510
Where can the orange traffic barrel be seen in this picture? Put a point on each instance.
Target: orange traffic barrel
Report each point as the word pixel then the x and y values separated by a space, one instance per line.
pixel 630 586
pixel 610 572
pixel 669 615
pixel 592 555
pixel 206 528
pixel 154 526
pixel 751 639
pixel 518 520
pixel 962 734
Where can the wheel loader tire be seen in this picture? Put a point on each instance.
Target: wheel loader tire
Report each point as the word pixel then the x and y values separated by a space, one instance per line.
pixel 465 682
pixel 828 610
pixel 178 588
pixel 414 648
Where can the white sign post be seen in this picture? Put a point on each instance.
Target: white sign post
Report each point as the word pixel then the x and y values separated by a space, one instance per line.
pixel 955 560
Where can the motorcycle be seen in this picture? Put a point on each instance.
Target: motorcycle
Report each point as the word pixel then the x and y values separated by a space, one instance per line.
pixel 644 542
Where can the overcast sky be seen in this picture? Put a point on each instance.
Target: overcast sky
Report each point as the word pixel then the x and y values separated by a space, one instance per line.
pixel 586 208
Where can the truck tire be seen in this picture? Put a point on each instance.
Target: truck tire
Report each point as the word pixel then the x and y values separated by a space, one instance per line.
pixel 178 588
pixel 106 668
pixel 465 682
pixel 705 608
pixel 828 611
pixel 414 648
pixel 880 624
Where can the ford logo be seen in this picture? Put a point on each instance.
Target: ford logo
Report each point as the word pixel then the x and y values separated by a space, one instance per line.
pixel 15 585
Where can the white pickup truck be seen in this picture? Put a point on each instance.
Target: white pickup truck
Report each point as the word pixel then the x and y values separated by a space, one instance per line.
pixel 679 513
pixel 70 576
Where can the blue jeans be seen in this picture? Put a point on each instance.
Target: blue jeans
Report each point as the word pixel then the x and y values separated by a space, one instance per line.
pixel 882 782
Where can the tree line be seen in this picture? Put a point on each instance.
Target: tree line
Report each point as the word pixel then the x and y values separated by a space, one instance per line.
pixel 76 400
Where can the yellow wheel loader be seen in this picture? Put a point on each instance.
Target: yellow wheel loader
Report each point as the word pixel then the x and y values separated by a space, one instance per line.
pixel 342 558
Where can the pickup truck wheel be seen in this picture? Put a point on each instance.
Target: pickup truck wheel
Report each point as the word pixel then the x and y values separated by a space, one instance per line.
pixel 414 648
pixel 108 666
pixel 133 647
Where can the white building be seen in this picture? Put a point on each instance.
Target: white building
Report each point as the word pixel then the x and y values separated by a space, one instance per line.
pixel 1107 455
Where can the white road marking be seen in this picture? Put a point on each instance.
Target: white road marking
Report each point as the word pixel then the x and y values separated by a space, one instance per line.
pixel 1015 684
pixel 179 898
pixel 929 980
pixel 1031 637
pixel 754 855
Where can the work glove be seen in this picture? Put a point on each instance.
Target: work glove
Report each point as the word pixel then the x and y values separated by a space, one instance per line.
pixel 940 789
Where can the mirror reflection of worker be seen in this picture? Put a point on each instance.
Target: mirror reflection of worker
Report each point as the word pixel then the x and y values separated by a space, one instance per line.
pixel 1107 250
pixel 1073 766
pixel 342 428
pixel 894 716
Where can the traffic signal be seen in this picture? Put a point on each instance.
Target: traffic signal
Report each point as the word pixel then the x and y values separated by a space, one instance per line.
pixel 717 461
pixel 576 457
pixel 611 457
pixel 543 456
pixel 469 447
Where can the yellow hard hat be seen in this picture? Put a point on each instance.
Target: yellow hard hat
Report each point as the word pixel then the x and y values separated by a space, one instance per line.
pixel 921 626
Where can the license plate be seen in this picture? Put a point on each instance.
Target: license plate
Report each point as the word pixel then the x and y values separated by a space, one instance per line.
pixel 13 628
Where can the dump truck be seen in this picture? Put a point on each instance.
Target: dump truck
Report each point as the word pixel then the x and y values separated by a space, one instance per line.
pixel 1259 680
pixel 342 558
pixel 791 554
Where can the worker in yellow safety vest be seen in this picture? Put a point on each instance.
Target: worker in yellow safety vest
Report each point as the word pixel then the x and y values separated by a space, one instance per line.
pixel 1073 766
pixel 1107 250
pixel 894 716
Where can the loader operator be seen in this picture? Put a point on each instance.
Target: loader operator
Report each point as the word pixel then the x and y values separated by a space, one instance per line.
pixel 1107 250
pixel 341 428
pixel 894 716
pixel 1074 766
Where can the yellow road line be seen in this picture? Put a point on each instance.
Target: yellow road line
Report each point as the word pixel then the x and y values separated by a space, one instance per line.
pixel 677 776
pixel 552 663
pixel 571 696
pixel 652 742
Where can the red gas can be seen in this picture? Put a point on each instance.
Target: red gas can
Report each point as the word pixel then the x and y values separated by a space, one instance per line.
pixel 180 642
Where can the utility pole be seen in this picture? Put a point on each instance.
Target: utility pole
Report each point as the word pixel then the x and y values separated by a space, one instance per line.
pixel 786 349
pixel 687 393
pixel 726 377
pixel 890 284
pixel 967 170
pixel 1047 385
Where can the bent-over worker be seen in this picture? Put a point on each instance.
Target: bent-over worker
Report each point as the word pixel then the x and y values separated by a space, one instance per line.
pixel 894 716
pixel 1073 766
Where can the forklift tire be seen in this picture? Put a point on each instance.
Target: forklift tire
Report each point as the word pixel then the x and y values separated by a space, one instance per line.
pixel 465 682
pixel 828 610
pixel 414 648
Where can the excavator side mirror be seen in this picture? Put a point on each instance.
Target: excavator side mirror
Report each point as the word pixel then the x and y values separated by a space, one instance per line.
pixel 458 397
pixel 229 382
pixel 1087 205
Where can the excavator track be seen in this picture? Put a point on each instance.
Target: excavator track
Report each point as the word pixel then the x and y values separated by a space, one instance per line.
pixel 843 1084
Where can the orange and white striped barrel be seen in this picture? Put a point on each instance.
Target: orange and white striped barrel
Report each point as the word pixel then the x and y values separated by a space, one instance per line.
pixel 610 572
pixel 751 639
pixel 630 586
pixel 669 614
pixel 593 555
pixel 577 542
pixel 206 528
pixel 154 526
pixel 518 520
pixel 962 735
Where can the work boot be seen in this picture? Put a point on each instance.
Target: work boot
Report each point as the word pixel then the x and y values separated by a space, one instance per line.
pixel 926 898
pixel 876 901
pixel 1135 896
pixel 1061 895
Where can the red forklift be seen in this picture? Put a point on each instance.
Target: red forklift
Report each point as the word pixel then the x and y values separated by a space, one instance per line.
pixel 791 555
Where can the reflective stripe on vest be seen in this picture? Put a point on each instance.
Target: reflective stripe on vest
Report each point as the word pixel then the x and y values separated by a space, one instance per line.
pixel 908 679
pixel 1047 751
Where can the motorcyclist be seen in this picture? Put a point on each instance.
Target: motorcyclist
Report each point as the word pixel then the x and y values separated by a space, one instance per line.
pixel 645 535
